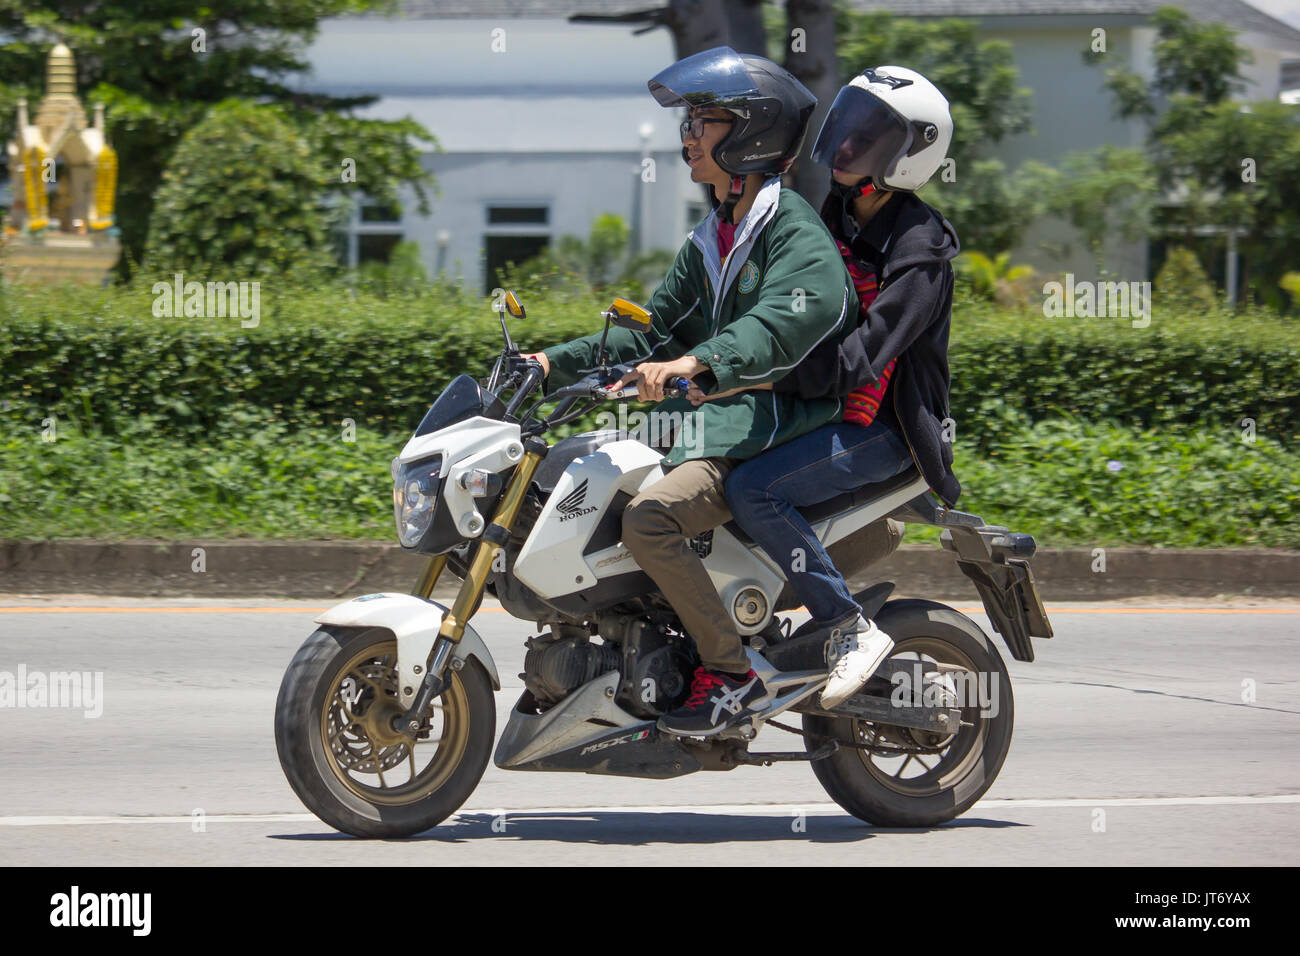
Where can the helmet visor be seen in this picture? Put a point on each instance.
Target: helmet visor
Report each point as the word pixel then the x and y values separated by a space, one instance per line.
pixel 861 134
pixel 714 77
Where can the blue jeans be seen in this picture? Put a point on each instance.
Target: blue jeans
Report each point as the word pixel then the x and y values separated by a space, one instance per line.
pixel 764 492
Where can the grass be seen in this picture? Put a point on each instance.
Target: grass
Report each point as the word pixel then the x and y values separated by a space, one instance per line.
pixel 1066 482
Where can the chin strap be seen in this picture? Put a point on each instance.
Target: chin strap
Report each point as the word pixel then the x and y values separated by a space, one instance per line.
pixel 727 213
pixel 847 196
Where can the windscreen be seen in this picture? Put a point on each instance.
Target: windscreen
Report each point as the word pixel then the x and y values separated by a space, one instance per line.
pixel 460 400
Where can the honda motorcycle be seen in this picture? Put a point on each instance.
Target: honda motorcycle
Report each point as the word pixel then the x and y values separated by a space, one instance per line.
pixel 385 719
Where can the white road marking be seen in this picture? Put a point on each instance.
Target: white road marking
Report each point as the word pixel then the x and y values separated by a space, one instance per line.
pixel 739 809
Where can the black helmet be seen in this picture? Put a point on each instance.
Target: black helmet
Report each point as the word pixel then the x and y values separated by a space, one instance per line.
pixel 771 106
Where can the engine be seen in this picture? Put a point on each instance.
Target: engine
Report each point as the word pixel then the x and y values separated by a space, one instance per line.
pixel 654 664
pixel 557 664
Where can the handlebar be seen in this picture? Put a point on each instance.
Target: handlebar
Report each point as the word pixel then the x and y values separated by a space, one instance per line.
pixel 675 388
pixel 515 369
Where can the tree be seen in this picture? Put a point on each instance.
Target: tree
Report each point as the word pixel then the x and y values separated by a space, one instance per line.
pixel 807 38
pixel 242 199
pixel 1105 193
pixel 989 206
pixel 696 25
pixel 160 66
pixel 1217 162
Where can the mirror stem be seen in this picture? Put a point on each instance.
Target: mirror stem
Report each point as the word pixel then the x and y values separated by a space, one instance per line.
pixel 505 332
pixel 604 356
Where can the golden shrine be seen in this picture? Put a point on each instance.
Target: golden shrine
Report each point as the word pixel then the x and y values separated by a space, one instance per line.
pixel 63 181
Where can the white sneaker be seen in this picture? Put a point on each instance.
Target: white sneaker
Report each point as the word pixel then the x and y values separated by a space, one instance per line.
pixel 855 653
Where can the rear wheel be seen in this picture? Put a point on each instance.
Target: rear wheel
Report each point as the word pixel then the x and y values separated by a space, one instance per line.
pixel 333 732
pixel 916 778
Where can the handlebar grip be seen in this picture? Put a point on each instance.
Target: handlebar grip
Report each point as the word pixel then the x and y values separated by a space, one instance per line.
pixel 677 388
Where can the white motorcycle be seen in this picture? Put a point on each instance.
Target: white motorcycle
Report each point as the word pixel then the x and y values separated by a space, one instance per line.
pixel 385 719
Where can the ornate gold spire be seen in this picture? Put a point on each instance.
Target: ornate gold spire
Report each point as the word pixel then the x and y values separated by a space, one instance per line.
pixel 61 72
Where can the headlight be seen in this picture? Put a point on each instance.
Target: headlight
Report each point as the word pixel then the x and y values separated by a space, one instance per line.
pixel 415 494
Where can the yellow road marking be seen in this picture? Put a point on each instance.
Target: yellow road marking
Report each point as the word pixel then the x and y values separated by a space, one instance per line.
pixel 37 609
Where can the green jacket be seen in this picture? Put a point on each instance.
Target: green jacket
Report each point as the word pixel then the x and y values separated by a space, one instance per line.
pixel 784 291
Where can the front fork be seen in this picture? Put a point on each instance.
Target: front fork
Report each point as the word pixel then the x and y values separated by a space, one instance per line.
pixel 494 539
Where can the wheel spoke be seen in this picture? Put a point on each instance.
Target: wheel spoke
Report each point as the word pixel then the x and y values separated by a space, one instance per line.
pixel 906 761
pixel 374 766
pixel 378 688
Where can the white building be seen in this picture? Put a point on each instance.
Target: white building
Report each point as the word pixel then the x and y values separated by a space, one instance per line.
pixel 1071 110
pixel 543 125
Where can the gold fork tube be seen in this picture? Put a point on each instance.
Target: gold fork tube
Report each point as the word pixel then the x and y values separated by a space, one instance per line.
pixel 429 577
pixel 494 537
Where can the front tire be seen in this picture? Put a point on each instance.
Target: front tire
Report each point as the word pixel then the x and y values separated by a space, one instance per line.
pixel 345 762
pixel 945 785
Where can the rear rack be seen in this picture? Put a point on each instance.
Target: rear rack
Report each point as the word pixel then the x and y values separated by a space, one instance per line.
pixel 997 561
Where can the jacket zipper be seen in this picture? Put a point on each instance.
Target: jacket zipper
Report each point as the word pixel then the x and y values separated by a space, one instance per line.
pixel 720 289
pixel 903 428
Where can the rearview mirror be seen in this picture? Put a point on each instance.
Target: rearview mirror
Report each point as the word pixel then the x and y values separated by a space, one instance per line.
pixel 513 306
pixel 628 315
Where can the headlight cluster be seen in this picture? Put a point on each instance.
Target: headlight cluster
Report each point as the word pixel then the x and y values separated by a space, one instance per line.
pixel 415 495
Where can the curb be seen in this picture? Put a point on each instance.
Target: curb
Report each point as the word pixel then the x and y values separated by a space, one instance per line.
pixel 337 569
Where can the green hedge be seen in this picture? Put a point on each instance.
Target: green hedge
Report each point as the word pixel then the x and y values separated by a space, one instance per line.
pixel 100 358
pixel 1065 482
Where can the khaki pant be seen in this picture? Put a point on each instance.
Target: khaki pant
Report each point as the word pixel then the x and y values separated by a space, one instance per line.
pixel 689 500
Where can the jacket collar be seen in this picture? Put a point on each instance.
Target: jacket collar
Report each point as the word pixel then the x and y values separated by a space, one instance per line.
pixel 705 237
pixel 871 242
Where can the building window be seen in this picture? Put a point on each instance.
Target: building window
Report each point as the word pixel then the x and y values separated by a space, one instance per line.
pixel 371 233
pixel 532 215
pixel 377 212
pixel 515 232
pixel 376 247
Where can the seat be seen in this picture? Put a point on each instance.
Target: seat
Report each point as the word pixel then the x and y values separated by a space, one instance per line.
pixel 841 503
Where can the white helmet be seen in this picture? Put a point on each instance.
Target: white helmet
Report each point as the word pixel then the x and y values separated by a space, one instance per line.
pixel 889 123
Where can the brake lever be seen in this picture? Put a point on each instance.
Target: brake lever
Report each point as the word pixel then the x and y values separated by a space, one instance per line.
pixel 675 388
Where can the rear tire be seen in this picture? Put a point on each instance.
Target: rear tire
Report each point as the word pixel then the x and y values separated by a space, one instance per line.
pixel 861 783
pixel 333 736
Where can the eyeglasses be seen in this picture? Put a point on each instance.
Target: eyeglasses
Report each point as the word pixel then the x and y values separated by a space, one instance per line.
pixel 695 127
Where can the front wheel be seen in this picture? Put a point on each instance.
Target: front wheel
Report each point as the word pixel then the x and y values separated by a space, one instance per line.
pixel 915 778
pixel 343 759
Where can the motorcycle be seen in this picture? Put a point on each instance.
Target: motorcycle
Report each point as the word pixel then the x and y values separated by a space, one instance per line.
pixel 385 718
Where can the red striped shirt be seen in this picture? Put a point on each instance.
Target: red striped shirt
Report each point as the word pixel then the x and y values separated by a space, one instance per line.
pixel 863 403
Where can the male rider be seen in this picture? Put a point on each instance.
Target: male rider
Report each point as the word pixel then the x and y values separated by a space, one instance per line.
pixel 756 288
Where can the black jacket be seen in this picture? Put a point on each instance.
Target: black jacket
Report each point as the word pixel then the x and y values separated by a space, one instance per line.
pixel 910 246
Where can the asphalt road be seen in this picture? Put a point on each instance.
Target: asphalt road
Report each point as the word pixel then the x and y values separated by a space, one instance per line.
pixel 1132 716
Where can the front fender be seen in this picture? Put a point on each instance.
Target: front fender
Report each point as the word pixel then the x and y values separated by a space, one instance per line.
pixel 414 622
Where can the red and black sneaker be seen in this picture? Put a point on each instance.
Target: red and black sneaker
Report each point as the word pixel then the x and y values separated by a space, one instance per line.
pixel 716 702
